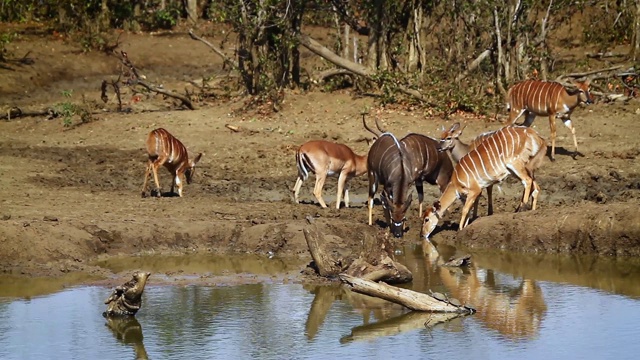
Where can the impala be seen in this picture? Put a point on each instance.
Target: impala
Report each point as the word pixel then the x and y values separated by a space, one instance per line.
pixel 396 164
pixel 450 140
pixel 324 158
pixel 547 98
pixel 513 150
pixel 164 149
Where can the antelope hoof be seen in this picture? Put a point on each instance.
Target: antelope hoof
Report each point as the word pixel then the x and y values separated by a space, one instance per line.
pixel 158 193
pixel 144 194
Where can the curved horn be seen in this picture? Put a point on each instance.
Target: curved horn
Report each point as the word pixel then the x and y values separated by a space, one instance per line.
pixel 368 128
pixel 379 128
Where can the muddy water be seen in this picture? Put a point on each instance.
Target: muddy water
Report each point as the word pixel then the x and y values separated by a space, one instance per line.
pixel 529 307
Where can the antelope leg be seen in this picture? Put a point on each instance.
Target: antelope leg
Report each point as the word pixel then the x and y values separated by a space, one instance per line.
pixel 317 191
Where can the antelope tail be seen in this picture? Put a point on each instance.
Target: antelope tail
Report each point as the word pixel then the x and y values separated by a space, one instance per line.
pixel 304 165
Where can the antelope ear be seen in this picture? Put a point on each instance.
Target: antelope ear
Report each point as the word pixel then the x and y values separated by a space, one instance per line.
pixel 195 161
pixel 455 126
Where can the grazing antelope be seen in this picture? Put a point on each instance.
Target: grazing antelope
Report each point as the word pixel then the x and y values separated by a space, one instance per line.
pixel 387 165
pixel 324 158
pixel 547 98
pixel 450 140
pixel 164 149
pixel 513 150
pixel 396 164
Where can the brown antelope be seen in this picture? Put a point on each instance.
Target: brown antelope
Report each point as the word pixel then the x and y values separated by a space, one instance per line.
pixel 396 164
pixel 450 140
pixel 164 149
pixel 547 98
pixel 324 158
pixel 513 150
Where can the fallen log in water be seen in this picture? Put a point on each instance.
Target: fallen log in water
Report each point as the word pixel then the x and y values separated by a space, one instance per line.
pixel 408 298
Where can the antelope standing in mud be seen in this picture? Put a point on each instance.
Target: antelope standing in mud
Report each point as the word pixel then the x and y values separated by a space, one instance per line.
pixel 450 140
pixel 164 149
pixel 324 158
pixel 547 98
pixel 396 164
pixel 513 150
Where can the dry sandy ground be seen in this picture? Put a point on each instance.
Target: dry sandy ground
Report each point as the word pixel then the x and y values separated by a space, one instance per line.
pixel 69 196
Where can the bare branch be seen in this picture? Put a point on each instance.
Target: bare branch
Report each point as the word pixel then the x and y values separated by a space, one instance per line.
pixel 474 64
pixel 215 49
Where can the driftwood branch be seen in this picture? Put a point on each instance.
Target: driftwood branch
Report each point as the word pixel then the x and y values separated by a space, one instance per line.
pixel 408 298
pixel 215 49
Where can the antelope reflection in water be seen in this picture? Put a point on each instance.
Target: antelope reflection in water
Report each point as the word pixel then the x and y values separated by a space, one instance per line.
pixel 515 312
pixel 370 308
pixel 128 330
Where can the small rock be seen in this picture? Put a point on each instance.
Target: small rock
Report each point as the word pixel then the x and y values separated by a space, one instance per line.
pixel 50 218
pixel 6 216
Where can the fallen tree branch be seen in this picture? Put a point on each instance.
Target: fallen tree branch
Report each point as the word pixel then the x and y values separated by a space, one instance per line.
pixel 474 64
pixel 605 55
pixel 321 76
pixel 587 73
pixel 358 69
pixel 408 298
pixel 16 112
pixel 215 49
pixel 137 79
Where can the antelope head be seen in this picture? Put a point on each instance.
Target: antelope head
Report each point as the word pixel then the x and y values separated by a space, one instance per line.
pixel 394 212
pixel 583 91
pixel 191 170
pixel 449 136
pixel 430 220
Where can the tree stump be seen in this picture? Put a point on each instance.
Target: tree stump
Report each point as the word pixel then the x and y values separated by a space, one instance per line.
pixel 374 262
pixel 126 299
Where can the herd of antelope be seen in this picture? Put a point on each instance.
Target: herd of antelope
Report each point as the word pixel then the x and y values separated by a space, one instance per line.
pixel 461 171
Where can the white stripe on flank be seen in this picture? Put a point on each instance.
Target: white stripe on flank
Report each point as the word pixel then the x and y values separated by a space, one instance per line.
pixel 465 183
pixel 483 167
pixel 476 173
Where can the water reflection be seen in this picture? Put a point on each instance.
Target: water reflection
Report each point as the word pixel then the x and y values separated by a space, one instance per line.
pixel 407 322
pixel 513 307
pixel 128 331
pixel 28 287
pixel 379 317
